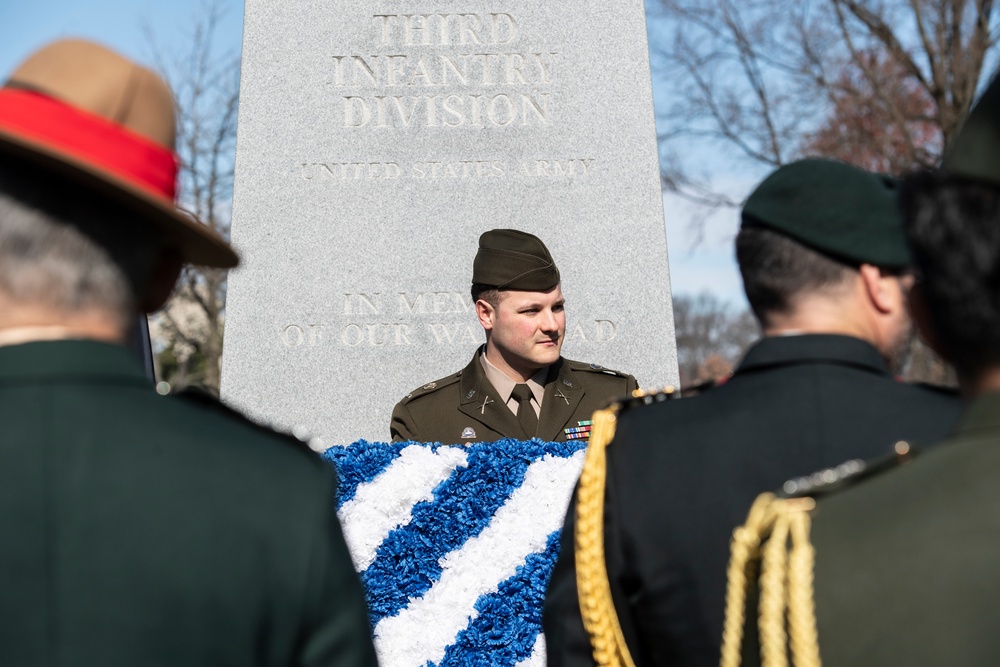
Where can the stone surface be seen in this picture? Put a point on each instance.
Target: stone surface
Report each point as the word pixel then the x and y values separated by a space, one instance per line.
pixel 378 140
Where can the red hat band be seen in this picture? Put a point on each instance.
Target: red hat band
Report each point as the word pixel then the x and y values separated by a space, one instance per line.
pixel 90 139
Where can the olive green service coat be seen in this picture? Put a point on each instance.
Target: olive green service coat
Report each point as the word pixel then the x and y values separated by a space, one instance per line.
pixel 906 561
pixel 682 474
pixel 464 407
pixel 158 531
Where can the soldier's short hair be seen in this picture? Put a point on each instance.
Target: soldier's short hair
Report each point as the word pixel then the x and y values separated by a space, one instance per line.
pixel 66 248
pixel 776 269
pixel 487 293
pixel 953 227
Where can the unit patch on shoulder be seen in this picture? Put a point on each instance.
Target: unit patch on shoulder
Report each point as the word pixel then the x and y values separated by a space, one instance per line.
pixel 468 433
pixel 579 432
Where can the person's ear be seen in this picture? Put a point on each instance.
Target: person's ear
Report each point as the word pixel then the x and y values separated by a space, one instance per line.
pixel 486 314
pixel 885 291
pixel 161 281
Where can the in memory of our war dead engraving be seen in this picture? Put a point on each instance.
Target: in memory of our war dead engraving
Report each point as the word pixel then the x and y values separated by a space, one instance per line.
pixel 377 141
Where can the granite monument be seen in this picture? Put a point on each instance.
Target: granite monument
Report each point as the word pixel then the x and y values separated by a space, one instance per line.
pixel 378 140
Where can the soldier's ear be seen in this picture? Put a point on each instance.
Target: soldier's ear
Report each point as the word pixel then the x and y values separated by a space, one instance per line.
pixel 883 289
pixel 486 314
pixel 161 281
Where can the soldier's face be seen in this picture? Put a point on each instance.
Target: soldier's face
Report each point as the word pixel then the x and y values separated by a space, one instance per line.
pixel 527 328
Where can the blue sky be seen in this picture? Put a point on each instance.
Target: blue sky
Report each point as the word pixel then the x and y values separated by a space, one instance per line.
pixel 699 261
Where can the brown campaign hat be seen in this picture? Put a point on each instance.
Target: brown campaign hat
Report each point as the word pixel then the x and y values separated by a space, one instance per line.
pixel 510 259
pixel 89 113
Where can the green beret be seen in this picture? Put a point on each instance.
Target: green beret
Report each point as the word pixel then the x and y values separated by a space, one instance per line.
pixel 509 259
pixel 839 210
pixel 975 151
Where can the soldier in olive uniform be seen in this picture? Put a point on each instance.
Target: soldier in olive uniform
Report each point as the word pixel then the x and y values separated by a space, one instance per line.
pixel 137 529
pixel 824 260
pixel 517 385
pixel 906 556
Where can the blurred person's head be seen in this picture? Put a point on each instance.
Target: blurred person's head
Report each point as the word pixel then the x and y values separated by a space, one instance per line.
pixel 821 250
pixel 70 257
pixel 953 227
pixel 89 232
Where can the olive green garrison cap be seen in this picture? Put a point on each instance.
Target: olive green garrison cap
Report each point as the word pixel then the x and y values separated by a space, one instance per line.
pixel 834 208
pixel 510 259
pixel 975 152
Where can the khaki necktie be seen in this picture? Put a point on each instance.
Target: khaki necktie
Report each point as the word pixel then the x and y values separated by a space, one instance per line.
pixel 525 413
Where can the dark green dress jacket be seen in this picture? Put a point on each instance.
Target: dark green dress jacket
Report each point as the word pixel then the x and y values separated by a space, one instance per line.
pixel 682 474
pixel 464 407
pixel 148 530
pixel 907 561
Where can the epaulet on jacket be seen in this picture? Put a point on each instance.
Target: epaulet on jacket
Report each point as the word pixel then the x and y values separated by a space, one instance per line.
pixel 208 400
pixel 431 387
pixel 643 397
pixel 845 475
pixel 594 368
pixel 771 565
pixel 703 386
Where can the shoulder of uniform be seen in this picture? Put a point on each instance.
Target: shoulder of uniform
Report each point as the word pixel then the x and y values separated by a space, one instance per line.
pixel 641 398
pixel 432 387
pixel 697 388
pixel 944 390
pixel 583 366
pixel 831 480
pixel 208 401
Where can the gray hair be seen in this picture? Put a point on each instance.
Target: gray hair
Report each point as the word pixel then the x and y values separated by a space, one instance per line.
pixel 67 249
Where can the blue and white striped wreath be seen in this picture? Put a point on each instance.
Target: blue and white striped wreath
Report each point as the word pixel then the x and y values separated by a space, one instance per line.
pixel 455 545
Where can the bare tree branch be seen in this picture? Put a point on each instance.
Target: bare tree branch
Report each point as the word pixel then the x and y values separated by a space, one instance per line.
pixel 206 87
pixel 881 83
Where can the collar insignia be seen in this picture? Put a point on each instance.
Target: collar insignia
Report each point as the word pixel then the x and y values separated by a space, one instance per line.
pixel 580 431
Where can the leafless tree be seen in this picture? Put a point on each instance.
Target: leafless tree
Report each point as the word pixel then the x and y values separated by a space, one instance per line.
pixel 187 333
pixel 883 84
pixel 711 336
pixel 766 81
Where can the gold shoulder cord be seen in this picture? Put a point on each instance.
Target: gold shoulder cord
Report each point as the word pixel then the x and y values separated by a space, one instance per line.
pixel 593 588
pixel 776 534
